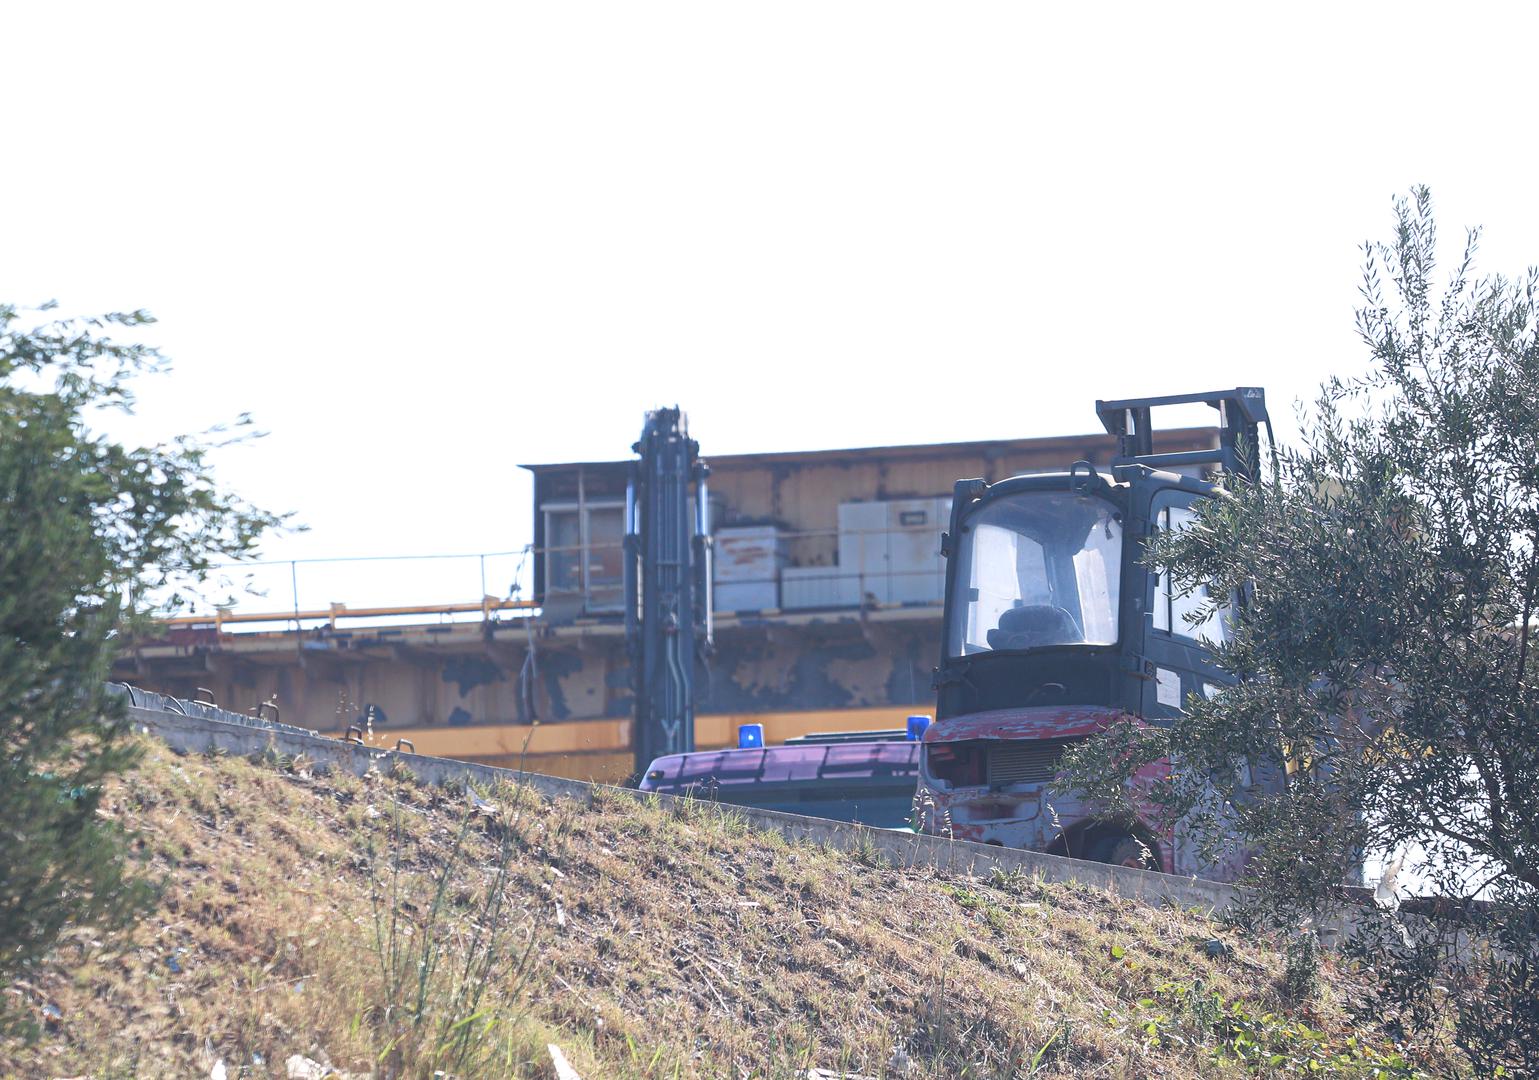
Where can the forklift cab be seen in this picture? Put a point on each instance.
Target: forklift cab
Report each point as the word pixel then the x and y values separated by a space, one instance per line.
pixel 1048 602
pixel 1055 629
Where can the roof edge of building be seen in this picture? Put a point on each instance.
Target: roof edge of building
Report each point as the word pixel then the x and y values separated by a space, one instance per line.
pixel 1036 443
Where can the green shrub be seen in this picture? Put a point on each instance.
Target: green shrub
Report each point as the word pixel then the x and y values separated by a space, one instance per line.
pixel 88 528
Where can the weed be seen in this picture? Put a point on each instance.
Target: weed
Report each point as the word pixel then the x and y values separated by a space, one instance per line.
pixel 1049 1052
pixel 731 820
pixel 1017 880
pixel 1301 970
pixel 1260 1042
pixel 965 897
pixel 926 817
pixel 864 851
pixel 434 972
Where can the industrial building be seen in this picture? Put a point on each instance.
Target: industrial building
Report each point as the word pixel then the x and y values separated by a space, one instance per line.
pixel 827 588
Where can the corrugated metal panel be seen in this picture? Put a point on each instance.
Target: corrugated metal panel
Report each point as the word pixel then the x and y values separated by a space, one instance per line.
pixel 801 490
pixel 1029 761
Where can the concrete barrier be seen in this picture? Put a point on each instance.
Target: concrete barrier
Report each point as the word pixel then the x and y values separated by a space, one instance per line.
pixel 201 734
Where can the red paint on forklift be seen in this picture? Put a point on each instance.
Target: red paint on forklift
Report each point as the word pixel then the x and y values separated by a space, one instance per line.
pixel 1041 722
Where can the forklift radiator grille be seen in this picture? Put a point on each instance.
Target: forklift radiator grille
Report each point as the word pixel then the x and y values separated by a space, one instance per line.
pixel 1026 762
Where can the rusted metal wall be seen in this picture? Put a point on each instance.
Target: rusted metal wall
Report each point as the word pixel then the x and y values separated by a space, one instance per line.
pixel 326 682
pixel 801 491
pixel 840 664
pixel 838 661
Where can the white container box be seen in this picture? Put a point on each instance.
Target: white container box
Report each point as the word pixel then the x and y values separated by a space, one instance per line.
pixel 748 553
pixel 806 587
pixel 916 571
pixel 863 537
pixel 729 596
pixel 893 547
pixel 863 547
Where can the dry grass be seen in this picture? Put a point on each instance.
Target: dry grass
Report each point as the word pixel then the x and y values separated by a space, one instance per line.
pixel 394 929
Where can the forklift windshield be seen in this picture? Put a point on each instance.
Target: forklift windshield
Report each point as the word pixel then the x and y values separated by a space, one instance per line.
pixel 1036 568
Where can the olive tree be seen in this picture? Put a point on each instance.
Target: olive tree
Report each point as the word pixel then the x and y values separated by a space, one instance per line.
pixel 1388 575
pixel 87 526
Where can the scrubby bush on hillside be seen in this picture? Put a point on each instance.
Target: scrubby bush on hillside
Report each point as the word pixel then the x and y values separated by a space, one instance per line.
pixel 1385 648
pixel 87 525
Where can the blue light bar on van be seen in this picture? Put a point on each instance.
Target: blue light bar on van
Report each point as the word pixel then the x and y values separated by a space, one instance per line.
pixel 750 736
pixel 916 727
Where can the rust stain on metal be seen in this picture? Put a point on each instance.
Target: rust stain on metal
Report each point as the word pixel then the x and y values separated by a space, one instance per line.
pixel 1041 722
pixel 1033 814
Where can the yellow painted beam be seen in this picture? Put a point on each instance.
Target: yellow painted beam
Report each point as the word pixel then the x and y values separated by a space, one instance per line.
pixel 222 616
pixel 483 742
pixel 720 729
pixel 497 740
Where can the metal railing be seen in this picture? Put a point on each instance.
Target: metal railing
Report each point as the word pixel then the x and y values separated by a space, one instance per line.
pixel 300 593
pixel 789 570
pixel 335 613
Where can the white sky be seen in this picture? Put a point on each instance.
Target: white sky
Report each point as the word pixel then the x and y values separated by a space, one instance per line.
pixel 424 243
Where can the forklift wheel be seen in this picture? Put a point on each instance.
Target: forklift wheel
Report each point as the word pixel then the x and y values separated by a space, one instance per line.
pixel 1124 851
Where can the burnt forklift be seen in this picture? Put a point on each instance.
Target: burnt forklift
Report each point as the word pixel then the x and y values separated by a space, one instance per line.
pixel 1054 629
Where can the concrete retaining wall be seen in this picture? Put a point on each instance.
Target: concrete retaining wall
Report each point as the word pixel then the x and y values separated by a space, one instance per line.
pixel 199 734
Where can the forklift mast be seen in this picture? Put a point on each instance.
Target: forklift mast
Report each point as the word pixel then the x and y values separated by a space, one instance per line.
pixel 667 584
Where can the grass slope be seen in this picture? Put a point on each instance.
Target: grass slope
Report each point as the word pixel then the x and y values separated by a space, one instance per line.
pixel 392 929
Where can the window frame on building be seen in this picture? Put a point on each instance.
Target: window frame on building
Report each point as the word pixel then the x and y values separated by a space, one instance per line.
pixel 604 596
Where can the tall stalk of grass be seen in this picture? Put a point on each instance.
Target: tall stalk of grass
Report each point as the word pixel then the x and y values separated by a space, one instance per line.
pixel 450 969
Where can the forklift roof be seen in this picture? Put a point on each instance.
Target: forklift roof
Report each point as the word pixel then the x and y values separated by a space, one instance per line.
pixel 1248 401
pixel 1242 412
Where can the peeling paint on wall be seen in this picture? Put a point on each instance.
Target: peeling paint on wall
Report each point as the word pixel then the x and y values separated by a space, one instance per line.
pixel 909 682
pixel 469 672
pixel 617 685
pixel 763 671
pixel 864 680
pixel 827 664
pixel 554 668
